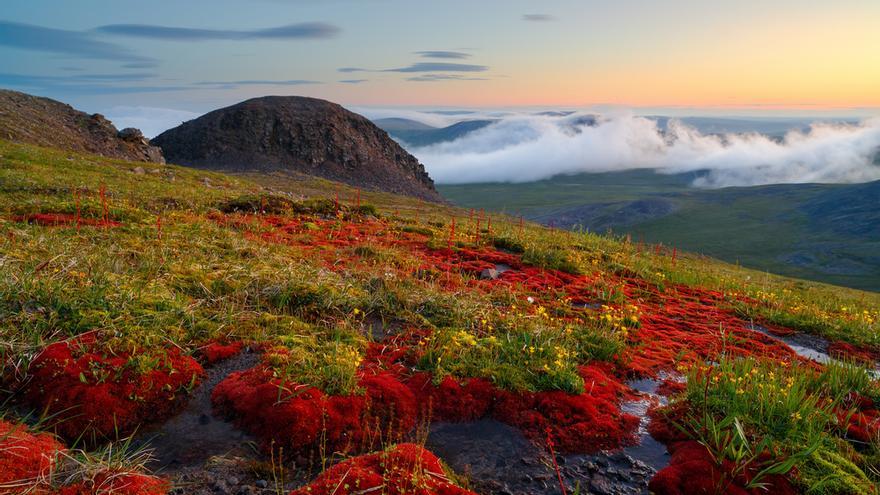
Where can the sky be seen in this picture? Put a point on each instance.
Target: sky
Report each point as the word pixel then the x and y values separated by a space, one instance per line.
pixel 745 57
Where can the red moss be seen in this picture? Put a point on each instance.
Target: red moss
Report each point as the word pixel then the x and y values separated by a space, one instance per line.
pixel 406 469
pixel 862 354
pixel 693 471
pixel 671 386
pixel 90 392
pixel 577 423
pixel 25 455
pixel 861 418
pixel 453 400
pixel 217 351
pixel 118 484
pixel 63 220
pixel 666 421
pixel 301 418
pixel 391 406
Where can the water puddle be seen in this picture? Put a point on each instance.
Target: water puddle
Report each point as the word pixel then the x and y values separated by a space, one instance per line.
pixel 195 435
pixel 806 346
pixel 497 458
pixel 501 268
pixel 648 451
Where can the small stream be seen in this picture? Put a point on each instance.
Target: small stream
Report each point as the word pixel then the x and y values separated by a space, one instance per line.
pixel 807 346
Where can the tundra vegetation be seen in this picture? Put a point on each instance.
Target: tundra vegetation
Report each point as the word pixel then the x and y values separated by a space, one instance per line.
pixel 374 315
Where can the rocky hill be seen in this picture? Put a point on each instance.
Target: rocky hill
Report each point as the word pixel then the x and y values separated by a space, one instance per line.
pixel 307 135
pixel 46 122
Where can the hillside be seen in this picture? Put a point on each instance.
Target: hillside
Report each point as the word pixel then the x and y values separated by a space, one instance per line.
pixel 42 121
pixel 305 135
pixel 824 232
pixel 263 337
pixel 416 134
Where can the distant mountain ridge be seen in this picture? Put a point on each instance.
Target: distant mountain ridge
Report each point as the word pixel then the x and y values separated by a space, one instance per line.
pixel 45 122
pixel 416 134
pixel 298 134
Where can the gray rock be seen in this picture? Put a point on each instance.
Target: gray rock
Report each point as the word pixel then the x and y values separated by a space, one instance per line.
pixel 131 134
pixel 601 486
pixel 489 274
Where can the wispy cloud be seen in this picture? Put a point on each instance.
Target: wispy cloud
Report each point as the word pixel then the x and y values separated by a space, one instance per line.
pixel 257 82
pixel 305 30
pixel 439 67
pixel 425 68
pixel 353 81
pixel 444 77
pixel 128 83
pixel 538 17
pixel 73 43
pixel 442 54
pixel 30 80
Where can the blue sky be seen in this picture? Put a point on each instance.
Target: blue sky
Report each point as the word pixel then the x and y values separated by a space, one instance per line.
pixel 681 56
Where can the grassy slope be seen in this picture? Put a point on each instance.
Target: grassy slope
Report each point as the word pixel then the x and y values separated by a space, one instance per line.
pixel 205 279
pixel 761 227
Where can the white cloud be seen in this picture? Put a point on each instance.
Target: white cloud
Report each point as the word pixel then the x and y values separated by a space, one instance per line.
pixel 522 148
pixel 151 121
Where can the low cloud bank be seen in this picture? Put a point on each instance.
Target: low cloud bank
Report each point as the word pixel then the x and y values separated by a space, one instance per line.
pixel 150 120
pixel 524 148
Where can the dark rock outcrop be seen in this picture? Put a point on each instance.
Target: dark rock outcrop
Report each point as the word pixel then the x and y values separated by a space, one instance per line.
pixel 46 122
pixel 306 135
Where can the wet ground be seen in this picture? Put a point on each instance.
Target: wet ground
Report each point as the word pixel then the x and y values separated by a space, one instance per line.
pixel 497 459
pixel 808 346
pixel 208 455
pixel 195 435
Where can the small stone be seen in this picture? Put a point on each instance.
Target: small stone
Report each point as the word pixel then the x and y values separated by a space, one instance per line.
pixel 138 171
pixel 489 274
pixel 262 484
pixel 600 485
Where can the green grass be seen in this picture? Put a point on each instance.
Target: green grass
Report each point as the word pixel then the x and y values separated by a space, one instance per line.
pixel 742 408
pixel 210 276
pixel 770 228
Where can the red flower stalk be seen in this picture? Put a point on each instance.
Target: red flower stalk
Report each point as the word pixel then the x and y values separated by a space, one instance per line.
pixel 555 464
pixel 104 206
pixel 451 233
pixel 76 201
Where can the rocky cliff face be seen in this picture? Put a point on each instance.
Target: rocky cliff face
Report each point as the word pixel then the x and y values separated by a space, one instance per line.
pixel 46 122
pixel 307 135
